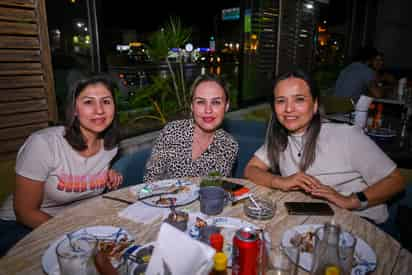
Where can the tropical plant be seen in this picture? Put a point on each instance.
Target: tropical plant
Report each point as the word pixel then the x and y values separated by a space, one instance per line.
pixel 172 36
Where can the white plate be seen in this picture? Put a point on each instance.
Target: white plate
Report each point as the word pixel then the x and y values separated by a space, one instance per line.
pixel 228 226
pixel 182 198
pixel 363 252
pixel 382 133
pixel 49 259
pixel 133 265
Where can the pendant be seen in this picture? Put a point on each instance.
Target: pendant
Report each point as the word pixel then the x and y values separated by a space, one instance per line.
pixel 299 154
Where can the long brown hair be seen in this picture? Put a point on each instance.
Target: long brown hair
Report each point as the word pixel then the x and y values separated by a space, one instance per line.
pixel 277 134
pixel 73 133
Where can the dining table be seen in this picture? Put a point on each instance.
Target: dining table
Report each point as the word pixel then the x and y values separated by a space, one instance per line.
pixel 26 256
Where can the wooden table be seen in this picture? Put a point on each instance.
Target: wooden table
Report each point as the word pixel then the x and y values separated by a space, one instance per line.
pixel 25 257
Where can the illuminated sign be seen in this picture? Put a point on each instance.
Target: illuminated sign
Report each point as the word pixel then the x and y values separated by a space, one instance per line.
pixel 231 14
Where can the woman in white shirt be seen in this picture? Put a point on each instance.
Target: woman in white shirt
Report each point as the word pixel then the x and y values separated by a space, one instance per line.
pixel 335 162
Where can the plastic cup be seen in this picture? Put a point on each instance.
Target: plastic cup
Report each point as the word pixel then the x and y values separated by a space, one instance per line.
pixel 282 260
pixel 212 200
pixel 347 244
pixel 75 254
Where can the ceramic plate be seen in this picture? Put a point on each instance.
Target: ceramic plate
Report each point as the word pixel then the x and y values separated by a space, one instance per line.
pixel 364 254
pixel 382 133
pixel 228 227
pixel 49 259
pixel 189 193
pixel 139 259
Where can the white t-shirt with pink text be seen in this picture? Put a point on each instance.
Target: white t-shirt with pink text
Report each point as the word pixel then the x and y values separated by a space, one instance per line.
pixel 69 178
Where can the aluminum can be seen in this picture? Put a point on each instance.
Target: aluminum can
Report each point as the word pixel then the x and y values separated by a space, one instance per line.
pixel 245 252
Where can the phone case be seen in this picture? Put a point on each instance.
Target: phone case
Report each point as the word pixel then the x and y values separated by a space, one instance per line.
pixel 309 208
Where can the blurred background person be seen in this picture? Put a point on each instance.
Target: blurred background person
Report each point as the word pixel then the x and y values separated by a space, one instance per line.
pixel 360 77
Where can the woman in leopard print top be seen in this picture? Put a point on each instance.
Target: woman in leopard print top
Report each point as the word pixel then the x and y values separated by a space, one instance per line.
pixel 195 147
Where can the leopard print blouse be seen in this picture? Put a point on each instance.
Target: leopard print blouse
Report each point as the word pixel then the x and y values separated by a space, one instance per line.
pixel 171 155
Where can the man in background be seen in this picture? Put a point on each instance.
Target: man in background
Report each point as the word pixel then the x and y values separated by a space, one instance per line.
pixel 359 78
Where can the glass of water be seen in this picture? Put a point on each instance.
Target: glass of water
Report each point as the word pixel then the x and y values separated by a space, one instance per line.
pixel 75 254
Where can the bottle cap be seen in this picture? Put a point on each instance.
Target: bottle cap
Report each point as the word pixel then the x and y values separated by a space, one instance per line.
pixel 332 270
pixel 220 260
pixel 216 241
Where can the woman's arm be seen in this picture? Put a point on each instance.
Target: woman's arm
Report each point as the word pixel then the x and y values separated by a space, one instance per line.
pixel 384 189
pixel 28 197
pixel 258 172
pixel 376 194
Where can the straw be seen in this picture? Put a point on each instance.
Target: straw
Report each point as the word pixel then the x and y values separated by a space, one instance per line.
pixel 254 202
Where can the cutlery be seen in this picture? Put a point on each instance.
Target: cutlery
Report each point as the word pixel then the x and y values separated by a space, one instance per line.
pixel 117 199
pixel 159 194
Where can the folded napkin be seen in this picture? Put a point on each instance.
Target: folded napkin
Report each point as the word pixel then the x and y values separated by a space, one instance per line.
pixel 142 213
pixel 177 253
pixel 361 110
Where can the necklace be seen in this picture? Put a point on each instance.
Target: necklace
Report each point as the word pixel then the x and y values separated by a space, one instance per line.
pixel 298 144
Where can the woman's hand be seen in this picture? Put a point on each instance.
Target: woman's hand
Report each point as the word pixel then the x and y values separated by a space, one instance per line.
pixel 330 194
pixel 298 181
pixel 114 179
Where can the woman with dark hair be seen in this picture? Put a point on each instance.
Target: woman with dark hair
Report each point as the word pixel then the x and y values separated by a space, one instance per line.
pixel 196 146
pixel 335 162
pixel 60 166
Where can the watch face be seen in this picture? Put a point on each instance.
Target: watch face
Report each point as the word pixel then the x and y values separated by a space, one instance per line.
pixel 361 196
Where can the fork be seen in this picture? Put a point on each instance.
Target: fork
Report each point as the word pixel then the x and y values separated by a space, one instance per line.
pixel 175 191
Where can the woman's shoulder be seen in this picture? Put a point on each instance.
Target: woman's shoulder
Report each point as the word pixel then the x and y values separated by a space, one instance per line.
pixel 226 138
pixel 177 124
pixel 49 133
pixel 339 130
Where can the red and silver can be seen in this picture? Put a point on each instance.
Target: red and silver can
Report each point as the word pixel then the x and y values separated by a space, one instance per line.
pixel 245 252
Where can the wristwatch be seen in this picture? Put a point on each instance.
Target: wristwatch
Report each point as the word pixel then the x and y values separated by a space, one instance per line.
pixel 362 199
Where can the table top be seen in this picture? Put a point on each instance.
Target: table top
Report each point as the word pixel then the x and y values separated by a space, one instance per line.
pixel 25 257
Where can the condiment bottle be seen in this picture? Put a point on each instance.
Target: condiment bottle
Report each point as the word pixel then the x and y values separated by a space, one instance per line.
pixel 326 254
pixel 220 264
pixel 216 241
pixel 377 120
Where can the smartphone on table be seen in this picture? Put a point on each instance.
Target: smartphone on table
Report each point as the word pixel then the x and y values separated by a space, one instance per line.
pixel 309 208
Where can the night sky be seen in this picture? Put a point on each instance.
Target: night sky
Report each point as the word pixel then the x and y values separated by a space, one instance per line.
pixel 150 15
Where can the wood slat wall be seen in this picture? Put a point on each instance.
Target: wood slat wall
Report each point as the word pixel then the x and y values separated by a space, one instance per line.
pixel 27 100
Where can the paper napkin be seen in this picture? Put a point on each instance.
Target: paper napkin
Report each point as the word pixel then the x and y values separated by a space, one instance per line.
pixel 177 253
pixel 361 110
pixel 142 213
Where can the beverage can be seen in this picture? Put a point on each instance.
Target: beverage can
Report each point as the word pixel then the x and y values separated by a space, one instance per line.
pixel 245 252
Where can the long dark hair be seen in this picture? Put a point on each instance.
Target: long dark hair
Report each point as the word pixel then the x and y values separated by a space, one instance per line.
pixel 73 133
pixel 277 134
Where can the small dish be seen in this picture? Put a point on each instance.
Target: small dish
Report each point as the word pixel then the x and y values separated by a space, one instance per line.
pixel 259 208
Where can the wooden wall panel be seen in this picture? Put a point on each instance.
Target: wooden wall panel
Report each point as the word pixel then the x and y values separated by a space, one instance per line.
pixel 18 81
pixel 12 95
pixel 20 68
pixel 18 28
pixel 16 14
pixel 19 55
pixel 19 42
pixel 27 100
pixel 21 132
pixel 19 3
pixel 14 120
pixel 23 106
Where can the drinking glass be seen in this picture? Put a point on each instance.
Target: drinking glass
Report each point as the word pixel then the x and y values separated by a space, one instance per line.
pixel 75 254
pixel 283 260
pixel 347 244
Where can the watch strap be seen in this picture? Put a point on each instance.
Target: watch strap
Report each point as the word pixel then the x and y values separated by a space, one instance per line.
pixel 362 199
